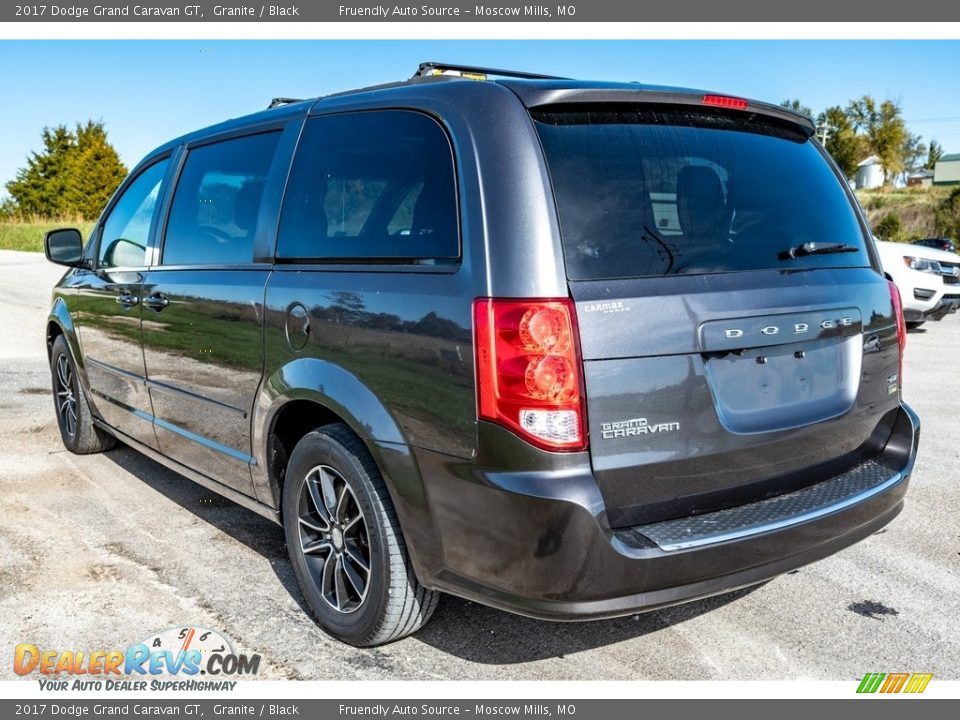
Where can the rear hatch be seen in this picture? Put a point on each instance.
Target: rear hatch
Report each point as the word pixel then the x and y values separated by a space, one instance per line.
pixel 738 342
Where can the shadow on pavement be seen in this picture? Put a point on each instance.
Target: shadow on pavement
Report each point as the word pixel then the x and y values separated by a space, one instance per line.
pixel 254 531
pixel 484 635
pixel 465 629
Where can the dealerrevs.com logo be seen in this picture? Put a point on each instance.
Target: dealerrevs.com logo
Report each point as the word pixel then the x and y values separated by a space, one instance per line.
pixel 888 683
pixel 183 653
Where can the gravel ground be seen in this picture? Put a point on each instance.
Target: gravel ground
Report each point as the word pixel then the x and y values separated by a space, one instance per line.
pixel 101 551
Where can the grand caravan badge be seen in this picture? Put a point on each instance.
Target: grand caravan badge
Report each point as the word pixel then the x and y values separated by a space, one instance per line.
pixel 634 427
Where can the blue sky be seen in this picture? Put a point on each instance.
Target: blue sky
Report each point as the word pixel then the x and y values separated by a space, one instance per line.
pixel 150 91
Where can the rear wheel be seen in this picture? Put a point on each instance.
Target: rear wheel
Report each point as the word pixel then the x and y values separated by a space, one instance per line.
pixel 74 418
pixel 345 543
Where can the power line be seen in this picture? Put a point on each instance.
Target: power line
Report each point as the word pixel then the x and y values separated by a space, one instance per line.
pixel 936 119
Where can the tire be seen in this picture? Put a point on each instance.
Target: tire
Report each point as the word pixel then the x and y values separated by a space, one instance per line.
pixel 79 434
pixel 338 518
pixel 912 325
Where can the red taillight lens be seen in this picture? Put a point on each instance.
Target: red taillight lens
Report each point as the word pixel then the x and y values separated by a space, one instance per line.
pixel 726 102
pixel 901 326
pixel 529 375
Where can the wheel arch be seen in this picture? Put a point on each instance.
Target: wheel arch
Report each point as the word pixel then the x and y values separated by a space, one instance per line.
pixel 59 322
pixel 309 393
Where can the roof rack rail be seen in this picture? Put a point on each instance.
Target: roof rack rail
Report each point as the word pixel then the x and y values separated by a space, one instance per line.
pixel 280 101
pixel 430 69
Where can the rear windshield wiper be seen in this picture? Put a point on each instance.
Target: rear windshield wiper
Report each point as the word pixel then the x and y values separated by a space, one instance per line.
pixel 813 248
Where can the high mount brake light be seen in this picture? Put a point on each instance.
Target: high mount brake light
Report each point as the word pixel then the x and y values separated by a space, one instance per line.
pixel 726 102
pixel 529 376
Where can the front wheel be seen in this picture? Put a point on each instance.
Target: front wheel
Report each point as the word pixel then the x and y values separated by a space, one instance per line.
pixel 345 543
pixel 77 430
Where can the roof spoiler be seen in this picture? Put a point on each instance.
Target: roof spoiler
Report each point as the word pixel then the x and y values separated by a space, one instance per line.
pixel 537 97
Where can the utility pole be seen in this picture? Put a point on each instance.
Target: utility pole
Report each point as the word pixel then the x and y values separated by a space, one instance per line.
pixel 824 131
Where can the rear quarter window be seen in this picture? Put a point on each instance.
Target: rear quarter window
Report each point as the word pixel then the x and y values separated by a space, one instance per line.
pixel 374 186
pixel 650 192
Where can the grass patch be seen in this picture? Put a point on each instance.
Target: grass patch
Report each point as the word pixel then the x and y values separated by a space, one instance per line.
pixel 914 206
pixel 28 235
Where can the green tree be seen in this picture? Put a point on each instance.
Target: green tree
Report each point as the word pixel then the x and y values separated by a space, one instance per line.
pixel 913 153
pixel 884 131
pixel 842 141
pixel 94 170
pixel 74 174
pixel 934 153
pixel 38 188
pixel 797 107
pixel 8 208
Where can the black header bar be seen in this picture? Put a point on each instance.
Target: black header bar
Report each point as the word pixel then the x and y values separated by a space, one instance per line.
pixel 544 11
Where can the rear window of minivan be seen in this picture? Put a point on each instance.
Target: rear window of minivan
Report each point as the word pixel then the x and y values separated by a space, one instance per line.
pixel 652 191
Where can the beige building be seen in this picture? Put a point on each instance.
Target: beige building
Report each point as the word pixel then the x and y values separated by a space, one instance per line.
pixel 947 170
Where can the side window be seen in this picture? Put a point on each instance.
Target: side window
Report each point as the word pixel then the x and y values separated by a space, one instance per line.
pixel 213 218
pixel 371 186
pixel 126 231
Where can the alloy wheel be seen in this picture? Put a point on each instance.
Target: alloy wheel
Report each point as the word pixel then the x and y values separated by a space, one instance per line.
pixel 66 398
pixel 334 539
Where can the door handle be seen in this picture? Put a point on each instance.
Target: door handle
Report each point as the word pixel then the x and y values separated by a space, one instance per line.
pixel 127 299
pixel 156 302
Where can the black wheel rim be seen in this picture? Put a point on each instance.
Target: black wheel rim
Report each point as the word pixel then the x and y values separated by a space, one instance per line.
pixel 334 540
pixel 66 398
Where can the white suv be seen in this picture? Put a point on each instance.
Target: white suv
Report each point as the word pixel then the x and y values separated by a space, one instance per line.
pixel 928 279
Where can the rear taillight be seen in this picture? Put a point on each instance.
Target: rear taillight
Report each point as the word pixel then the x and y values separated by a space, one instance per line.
pixel 901 327
pixel 529 376
pixel 726 102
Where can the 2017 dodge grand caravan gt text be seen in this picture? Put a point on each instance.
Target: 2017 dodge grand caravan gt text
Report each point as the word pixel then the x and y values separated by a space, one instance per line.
pixel 569 349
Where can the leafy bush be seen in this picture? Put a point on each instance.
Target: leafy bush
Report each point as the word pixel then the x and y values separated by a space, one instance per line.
pixel 948 216
pixel 888 228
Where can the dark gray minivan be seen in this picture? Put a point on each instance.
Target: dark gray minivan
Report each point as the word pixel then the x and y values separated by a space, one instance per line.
pixel 570 349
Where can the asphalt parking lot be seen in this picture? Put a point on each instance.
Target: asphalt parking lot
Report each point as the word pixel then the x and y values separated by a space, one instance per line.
pixel 104 550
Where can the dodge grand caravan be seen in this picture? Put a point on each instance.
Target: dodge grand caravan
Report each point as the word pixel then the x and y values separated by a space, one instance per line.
pixel 569 349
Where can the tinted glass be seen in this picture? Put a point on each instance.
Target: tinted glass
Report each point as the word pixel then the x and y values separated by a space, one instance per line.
pixel 371 186
pixel 127 227
pixel 213 219
pixel 661 191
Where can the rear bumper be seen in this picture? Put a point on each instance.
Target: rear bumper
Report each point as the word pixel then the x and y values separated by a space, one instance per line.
pixel 538 543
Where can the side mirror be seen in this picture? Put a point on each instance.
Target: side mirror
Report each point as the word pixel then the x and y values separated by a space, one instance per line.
pixel 63 247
